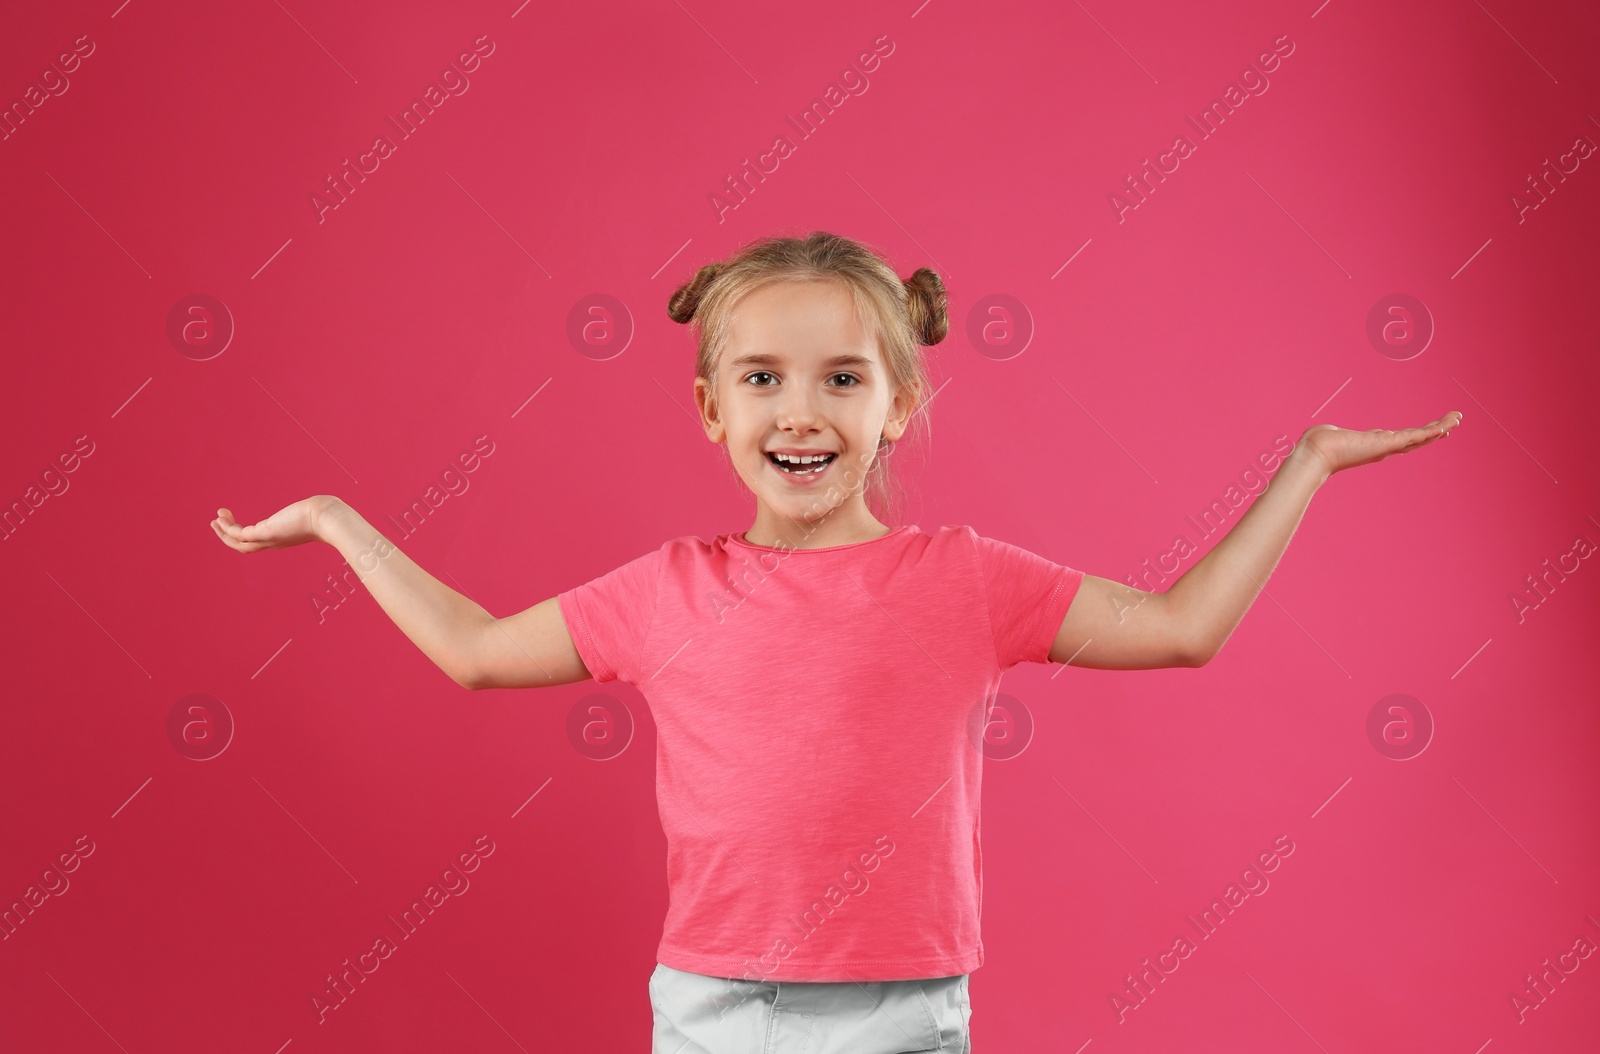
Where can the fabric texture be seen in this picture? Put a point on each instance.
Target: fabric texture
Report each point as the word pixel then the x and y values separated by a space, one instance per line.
pixel 716 1015
pixel 819 717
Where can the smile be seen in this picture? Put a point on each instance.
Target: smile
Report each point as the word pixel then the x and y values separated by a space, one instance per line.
pixel 801 468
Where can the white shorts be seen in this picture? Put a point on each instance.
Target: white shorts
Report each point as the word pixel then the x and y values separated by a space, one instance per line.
pixel 697 1014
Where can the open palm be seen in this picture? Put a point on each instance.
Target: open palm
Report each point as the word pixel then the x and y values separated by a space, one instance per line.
pixel 1339 448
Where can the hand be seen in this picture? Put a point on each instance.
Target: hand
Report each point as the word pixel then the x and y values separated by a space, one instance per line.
pixel 1337 448
pixel 290 525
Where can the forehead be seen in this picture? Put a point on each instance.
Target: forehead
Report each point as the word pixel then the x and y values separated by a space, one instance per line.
pixel 799 319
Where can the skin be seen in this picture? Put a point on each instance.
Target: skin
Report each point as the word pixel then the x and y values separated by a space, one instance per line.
pixel 800 399
pixel 1112 626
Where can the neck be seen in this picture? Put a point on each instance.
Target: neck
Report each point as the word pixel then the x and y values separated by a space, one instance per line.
pixel 845 525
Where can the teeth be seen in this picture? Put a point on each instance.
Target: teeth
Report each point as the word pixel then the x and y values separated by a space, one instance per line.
pixel 816 462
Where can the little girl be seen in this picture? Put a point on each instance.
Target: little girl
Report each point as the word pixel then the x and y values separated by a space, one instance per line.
pixel 821 683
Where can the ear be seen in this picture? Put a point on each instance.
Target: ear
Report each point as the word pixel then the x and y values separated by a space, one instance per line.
pixel 710 419
pixel 899 417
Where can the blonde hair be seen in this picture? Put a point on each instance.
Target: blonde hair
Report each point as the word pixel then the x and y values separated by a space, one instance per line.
pixel 901 315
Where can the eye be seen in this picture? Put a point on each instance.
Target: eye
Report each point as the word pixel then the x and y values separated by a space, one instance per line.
pixel 853 379
pixel 760 373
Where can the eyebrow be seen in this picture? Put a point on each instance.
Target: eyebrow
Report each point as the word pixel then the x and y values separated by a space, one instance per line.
pixel 767 359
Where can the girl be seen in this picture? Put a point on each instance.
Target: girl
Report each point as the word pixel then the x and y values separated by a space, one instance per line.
pixel 821 682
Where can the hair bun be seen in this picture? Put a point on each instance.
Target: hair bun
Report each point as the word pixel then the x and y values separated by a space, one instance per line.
pixel 681 307
pixel 928 306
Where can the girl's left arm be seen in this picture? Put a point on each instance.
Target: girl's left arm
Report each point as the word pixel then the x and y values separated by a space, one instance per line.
pixel 1114 626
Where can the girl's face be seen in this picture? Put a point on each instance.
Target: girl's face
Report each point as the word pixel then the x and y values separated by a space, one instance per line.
pixel 799 376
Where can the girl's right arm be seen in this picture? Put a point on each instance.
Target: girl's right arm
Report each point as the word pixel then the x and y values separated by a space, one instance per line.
pixel 475 649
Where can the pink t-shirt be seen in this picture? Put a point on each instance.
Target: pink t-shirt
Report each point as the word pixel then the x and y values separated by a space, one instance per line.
pixel 819 715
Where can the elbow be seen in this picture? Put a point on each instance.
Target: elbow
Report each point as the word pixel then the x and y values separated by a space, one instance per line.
pixel 467 679
pixel 1197 655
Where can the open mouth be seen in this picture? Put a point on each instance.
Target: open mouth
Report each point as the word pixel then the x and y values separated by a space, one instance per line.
pixel 812 465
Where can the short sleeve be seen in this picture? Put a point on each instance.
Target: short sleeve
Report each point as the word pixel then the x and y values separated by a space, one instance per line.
pixel 609 618
pixel 1028 597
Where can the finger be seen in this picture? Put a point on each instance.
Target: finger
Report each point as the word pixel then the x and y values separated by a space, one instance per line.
pixel 227 539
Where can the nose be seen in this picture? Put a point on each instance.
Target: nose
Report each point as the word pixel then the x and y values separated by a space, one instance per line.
pixel 798 411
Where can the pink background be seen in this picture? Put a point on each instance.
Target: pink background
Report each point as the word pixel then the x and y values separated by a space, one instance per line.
pixel 374 346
